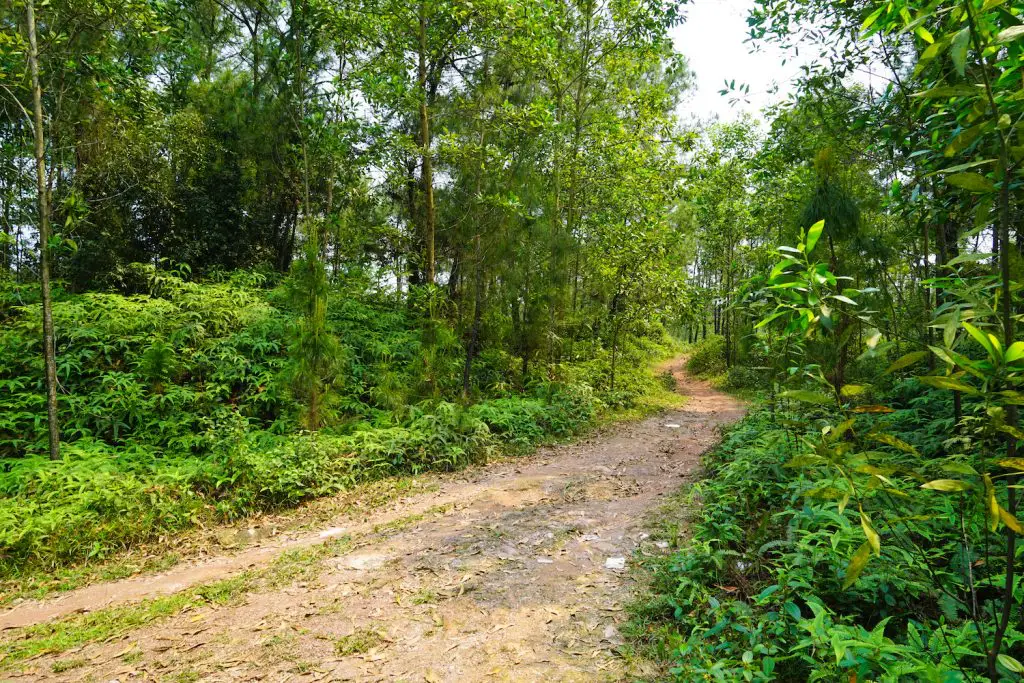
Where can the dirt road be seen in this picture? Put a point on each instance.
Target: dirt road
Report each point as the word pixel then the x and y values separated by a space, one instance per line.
pixel 519 573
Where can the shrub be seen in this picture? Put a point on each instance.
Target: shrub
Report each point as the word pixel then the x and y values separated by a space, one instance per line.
pixel 707 357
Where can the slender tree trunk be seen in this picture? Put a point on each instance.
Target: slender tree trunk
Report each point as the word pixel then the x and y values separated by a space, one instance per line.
pixel 474 333
pixel 49 354
pixel 427 166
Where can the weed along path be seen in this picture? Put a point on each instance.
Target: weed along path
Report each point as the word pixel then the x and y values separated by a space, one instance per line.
pixel 514 571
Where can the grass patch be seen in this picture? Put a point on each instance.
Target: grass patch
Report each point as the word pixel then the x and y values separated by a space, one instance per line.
pixel 360 641
pixel 62 635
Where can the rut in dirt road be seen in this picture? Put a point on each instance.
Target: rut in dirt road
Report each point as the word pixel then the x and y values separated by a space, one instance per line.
pixel 513 575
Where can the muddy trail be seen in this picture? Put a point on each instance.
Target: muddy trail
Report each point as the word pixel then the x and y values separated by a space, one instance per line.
pixel 516 571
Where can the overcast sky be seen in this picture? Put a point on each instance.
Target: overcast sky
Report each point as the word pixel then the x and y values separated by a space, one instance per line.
pixel 712 38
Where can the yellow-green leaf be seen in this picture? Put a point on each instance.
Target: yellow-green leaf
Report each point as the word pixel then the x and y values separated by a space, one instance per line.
pixel 873 409
pixel 1010 664
pixel 947 383
pixel 1009 520
pixel 813 233
pixel 869 531
pixel 807 396
pixel 972 182
pixel 991 504
pixel 947 485
pixel 857 564
pixel 850 390
pixel 1013 463
pixel 893 441
pixel 906 361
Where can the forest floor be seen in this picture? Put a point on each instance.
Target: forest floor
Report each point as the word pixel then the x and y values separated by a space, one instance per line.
pixel 519 570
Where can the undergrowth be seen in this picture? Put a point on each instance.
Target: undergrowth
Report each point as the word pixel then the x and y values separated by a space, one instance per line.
pixel 177 410
pixel 756 591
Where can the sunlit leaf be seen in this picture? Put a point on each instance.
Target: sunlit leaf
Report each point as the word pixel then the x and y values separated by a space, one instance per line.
pixel 857 564
pixel 906 361
pixel 948 485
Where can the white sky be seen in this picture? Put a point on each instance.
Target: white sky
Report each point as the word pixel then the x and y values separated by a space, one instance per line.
pixel 712 38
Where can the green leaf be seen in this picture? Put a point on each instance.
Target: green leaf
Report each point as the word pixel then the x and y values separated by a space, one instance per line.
pixel 808 396
pixel 1014 352
pixel 983 339
pixel 948 485
pixel 1010 664
pixel 964 258
pixel 844 299
pixel 962 142
pixel 958 50
pixel 780 267
pixel 1009 520
pixel 948 383
pixel 969 164
pixel 869 531
pixel 813 233
pixel 1015 432
pixel 804 460
pixel 893 441
pixel 851 390
pixel 906 361
pixel 857 564
pixel 924 34
pixel 950 91
pixel 872 18
pixel 972 182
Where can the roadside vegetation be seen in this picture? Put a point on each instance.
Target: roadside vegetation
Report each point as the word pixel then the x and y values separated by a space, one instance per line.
pixel 862 266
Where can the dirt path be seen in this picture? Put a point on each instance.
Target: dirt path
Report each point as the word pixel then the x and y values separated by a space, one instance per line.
pixel 513 575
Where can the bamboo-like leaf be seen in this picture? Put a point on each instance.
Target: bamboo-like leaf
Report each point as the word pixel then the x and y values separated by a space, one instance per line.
pixel 807 396
pixel 1010 34
pixel 906 361
pixel 983 339
pixel 958 50
pixel 873 409
pixel 857 564
pixel 1015 432
pixel 990 503
pixel 947 383
pixel 1009 520
pixel 950 91
pixel 813 233
pixel 972 182
pixel 947 485
pixel 869 531
pixel 890 440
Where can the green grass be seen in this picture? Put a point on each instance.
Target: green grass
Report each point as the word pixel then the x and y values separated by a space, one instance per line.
pixel 360 641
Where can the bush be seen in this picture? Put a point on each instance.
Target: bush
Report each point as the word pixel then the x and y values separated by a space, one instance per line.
pixel 707 357
pixel 755 593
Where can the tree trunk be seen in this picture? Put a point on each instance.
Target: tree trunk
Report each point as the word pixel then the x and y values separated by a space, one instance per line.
pixel 427 167
pixel 49 355
pixel 474 334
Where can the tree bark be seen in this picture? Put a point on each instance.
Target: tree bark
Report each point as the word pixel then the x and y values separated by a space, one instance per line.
pixel 427 166
pixel 49 353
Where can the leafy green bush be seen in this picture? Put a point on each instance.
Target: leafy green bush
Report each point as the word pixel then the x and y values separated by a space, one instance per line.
pixel 757 593
pixel 707 356
pixel 177 407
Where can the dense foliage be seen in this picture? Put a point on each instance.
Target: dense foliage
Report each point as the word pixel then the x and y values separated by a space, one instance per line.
pixel 254 252
pixel 862 263
pixel 179 407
